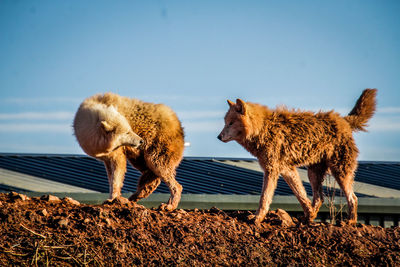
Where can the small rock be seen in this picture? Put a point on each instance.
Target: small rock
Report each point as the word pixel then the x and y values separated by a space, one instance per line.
pixel 71 201
pixel 144 213
pixel 44 212
pixel 284 217
pixel 108 221
pixel 181 211
pixel 17 196
pixel 104 214
pixel 63 223
pixel 177 215
pixel 50 198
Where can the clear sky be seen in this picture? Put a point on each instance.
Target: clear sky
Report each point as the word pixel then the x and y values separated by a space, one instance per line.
pixel 192 56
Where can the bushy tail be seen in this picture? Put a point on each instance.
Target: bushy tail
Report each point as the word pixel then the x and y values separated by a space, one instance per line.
pixel 363 110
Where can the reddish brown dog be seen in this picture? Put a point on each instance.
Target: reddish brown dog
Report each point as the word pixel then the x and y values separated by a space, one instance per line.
pixel 283 139
pixel 113 129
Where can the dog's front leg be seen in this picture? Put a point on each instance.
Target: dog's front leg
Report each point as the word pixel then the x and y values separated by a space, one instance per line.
pixel 268 189
pixel 115 164
pixel 292 178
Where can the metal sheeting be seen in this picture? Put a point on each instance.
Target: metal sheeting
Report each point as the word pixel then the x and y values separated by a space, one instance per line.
pixel 385 174
pixel 197 175
pixel 361 188
pixel 7 188
pixel 30 183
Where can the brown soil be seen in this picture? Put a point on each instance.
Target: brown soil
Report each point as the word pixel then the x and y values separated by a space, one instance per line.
pixel 53 232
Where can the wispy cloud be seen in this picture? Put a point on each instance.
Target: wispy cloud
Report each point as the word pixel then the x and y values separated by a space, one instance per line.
pixel 344 111
pixel 37 116
pixel 389 110
pixel 41 148
pixel 379 124
pixel 202 121
pixel 35 127
pixel 42 100
pixel 204 126
pixel 386 119
pixel 200 114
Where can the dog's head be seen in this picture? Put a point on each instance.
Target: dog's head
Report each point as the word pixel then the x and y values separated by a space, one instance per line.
pixel 235 122
pixel 117 132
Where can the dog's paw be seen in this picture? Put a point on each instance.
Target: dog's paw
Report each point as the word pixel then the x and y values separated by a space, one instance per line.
pixel 119 200
pixel 254 219
pixel 133 198
pixel 166 207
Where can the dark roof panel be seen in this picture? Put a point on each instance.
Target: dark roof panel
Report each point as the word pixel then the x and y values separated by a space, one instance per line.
pixel 386 174
pixel 197 175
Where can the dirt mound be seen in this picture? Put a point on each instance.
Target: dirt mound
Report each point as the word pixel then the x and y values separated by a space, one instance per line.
pixel 51 231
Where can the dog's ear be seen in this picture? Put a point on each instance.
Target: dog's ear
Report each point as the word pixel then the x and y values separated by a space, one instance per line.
pixel 240 106
pixel 106 126
pixel 230 103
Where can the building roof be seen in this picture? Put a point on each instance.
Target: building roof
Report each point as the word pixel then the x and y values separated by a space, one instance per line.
pixel 78 173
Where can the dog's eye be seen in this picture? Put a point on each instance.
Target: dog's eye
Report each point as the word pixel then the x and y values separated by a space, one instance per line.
pixel 230 124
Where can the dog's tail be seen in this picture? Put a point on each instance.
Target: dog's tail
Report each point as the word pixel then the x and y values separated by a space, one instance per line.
pixel 363 110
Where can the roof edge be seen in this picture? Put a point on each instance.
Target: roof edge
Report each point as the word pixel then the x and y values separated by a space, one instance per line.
pixel 185 157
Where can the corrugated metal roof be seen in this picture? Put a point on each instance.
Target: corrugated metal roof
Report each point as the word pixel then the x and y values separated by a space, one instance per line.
pixel 32 183
pixel 197 175
pixel 386 174
pixel 361 188
pixel 7 188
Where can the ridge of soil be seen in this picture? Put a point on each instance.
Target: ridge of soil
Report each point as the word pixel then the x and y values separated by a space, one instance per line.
pixel 54 232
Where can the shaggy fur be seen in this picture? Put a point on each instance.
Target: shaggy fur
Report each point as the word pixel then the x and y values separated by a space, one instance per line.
pixel 284 139
pixel 114 128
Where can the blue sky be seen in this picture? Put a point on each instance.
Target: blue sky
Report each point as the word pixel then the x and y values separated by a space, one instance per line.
pixel 192 56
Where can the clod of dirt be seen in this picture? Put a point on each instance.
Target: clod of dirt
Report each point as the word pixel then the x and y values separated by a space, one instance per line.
pixel 43 212
pixel 13 196
pixel 71 201
pixel 63 223
pixel 281 218
pixel 50 198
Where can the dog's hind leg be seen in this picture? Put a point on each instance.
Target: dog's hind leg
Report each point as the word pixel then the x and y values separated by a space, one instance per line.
pixel 174 187
pixel 167 174
pixel 163 161
pixel 292 178
pixel 344 174
pixel 345 181
pixel 115 164
pixel 147 183
pixel 316 175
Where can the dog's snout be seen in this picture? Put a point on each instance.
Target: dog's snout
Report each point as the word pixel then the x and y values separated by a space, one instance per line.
pixel 220 137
